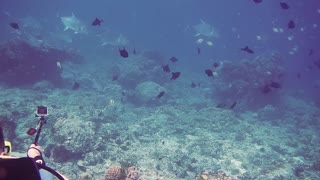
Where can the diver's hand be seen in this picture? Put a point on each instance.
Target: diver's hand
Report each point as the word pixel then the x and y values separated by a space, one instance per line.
pixel 34 152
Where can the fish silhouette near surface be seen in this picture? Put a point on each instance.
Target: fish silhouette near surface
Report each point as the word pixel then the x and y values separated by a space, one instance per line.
pixel 216 65
pixel 166 68
pixel 173 59
pixel 76 86
pixel 198 50
pixel 224 105
pixel 123 53
pixel 97 22
pixel 115 77
pixel 274 84
pixel 175 75
pixel 317 64
pixel 310 52
pixel 266 89
pixel 193 84
pixel 209 72
pixel 298 75
pixel 247 49
pixel 14 25
pixel 284 5
pixel 221 105
pixel 291 24
pixel 257 1
pixel 233 104
pixel 162 93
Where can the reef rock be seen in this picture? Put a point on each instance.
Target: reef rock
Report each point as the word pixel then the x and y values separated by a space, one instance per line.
pixel 23 64
pixel 75 135
pixel 215 176
pixel 115 173
pixel 147 91
pixel 246 79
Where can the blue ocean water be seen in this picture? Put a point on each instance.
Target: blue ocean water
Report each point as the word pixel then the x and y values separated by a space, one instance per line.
pixel 252 112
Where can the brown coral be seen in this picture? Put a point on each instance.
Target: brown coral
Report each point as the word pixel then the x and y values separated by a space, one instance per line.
pixel 215 176
pixel 132 174
pixel 115 173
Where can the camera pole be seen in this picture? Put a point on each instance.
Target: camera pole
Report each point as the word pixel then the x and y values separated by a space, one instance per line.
pixel 41 122
pixel 31 131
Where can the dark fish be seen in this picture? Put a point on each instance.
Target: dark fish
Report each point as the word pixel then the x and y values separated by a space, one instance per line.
pixel 173 59
pixel 166 68
pixel 97 22
pixel 123 52
pixel 160 94
pixel 310 52
pixel 123 92
pixel 15 25
pixel 266 89
pixel 198 50
pixel 175 75
pixel 274 84
pixel 221 105
pixel 134 51
pixel 247 49
pixel 257 1
pixel 193 84
pixel 298 75
pixel 284 5
pixel 317 63
pixel 75 86
pixel 291 24
pixel 209 72
pixel 233 105
pixel 215 65
pixel 115 77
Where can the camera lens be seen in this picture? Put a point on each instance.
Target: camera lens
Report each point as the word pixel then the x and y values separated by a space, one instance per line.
pixel 42 110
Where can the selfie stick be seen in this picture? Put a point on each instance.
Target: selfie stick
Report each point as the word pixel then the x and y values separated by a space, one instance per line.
pixel 41 122
pixel 31 131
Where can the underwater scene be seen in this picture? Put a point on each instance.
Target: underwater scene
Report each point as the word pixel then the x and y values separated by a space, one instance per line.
pixel 164 90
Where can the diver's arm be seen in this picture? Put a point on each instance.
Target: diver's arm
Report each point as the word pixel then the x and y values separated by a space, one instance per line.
pixel 35 153
pixel 7 157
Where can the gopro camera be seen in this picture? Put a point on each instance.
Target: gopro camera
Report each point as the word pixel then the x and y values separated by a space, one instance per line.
pixel 42 111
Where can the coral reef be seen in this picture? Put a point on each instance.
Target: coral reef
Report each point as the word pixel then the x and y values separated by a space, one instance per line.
pixel 85 134
pixel 219 175
pixel 75 135
pixel 122 173
pixel 8 127
pixel 85 176
pixel 115 173
pixel 147 91
pixel 132 173
pixel 244 79
pixel 316 166
pixel 298 170
pixel 144 68
pixel 269 113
